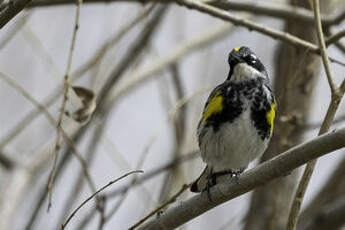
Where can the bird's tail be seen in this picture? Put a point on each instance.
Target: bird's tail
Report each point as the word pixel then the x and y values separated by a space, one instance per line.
pixel 200 184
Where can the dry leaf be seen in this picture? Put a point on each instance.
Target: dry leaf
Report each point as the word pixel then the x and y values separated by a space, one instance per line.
pixel 81 104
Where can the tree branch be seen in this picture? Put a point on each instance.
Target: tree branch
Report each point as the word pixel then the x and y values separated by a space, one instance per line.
pixel 262 174
pixel 11 9
pixel 323 51
pixel 63 105
pixel 94 194
pixel 335 37
pixel 155 172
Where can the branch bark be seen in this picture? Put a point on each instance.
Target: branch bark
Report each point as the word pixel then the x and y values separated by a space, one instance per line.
pixel 262 174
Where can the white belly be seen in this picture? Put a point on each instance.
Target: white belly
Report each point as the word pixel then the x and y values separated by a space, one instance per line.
pixel 233 146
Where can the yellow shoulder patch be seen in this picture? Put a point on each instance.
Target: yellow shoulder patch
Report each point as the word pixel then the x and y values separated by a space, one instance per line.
pixel 270 115
pixel 237 48
pixel 214 106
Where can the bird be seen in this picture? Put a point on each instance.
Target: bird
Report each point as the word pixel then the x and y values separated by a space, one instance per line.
pixel 237 121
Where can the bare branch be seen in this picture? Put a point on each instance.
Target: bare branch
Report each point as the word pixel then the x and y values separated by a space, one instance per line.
pixel 94 194
pixel 155 172
pixel 279 166
pixel 64 102
pixel 335 37
pixel 323 51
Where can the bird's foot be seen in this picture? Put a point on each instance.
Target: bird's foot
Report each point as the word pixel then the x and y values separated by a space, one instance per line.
pixel 236 174
pixel 211 181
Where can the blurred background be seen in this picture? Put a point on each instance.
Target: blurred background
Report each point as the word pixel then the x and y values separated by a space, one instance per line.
pixel 151 67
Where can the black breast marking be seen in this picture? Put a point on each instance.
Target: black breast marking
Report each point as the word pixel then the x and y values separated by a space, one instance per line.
pixel 232 105
pixel 260 106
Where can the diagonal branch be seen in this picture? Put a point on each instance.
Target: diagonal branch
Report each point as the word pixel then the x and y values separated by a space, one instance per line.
pixel 11 9
pixel 323 46
pixel 64 103
pixel 335 37
pixel 94 194
pixel 277 167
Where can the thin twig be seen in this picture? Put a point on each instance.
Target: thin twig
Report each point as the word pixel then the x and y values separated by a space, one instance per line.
pixel 155 172
pixel 77 187
pixel 64 102
pixel 338 44
pixel 156 210
pixel 335 37
pixel 323 51
pixel 94 194
pixel 326 124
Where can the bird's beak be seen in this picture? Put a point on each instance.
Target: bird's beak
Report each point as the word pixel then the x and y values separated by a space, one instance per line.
pixel 235 58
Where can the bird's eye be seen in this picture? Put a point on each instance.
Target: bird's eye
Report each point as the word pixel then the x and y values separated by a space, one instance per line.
pixel 252 59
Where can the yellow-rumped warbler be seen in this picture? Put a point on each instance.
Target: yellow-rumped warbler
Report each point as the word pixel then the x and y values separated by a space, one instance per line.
pixel 237 122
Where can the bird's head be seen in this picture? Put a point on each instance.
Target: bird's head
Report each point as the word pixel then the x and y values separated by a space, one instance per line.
pixel 245 65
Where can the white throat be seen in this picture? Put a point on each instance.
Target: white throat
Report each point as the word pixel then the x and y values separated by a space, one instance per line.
pixel 243 71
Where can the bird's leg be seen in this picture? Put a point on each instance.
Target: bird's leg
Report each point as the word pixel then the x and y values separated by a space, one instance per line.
pixel 211 181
